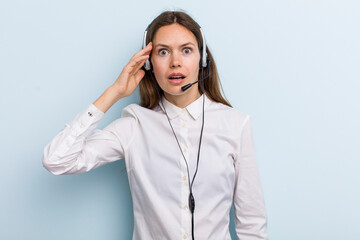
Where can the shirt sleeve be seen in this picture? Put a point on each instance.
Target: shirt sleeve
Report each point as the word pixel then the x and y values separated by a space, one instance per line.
pixel 249 205
pixel 73 150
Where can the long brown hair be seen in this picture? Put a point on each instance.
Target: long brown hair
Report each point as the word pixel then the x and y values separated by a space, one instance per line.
pixel 149 88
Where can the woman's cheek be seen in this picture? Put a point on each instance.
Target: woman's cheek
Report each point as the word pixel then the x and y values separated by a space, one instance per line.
pixel 159 61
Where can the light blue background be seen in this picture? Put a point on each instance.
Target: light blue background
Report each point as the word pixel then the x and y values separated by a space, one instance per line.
pixel 292 65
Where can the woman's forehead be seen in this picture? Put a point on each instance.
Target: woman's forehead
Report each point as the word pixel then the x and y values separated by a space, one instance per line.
pixel 174 35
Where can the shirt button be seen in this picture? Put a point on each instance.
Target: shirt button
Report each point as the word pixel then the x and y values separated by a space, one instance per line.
pixel 68 143
pixel 81 125
pixel 185 236
pixel 184 178
pixel 185 206
pixel 184 125
pixel 185 149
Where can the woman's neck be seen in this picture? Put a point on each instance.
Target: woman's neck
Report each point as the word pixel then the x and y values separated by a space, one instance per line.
pixel 183 100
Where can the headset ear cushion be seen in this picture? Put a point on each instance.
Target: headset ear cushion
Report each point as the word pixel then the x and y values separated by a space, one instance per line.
pixel 147 65
pixel 207 62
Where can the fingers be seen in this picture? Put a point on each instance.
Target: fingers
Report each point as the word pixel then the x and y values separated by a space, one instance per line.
pixel 136 64
pixel 144 51
pixel 139 76
pixel 138 60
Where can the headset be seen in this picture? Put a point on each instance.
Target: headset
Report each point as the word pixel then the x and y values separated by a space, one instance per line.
pixel 204 62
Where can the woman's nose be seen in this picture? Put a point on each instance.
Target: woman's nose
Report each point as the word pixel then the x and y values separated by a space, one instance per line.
pixel 175 60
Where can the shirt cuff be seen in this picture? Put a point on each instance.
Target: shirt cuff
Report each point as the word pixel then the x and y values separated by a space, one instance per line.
pixel 86 119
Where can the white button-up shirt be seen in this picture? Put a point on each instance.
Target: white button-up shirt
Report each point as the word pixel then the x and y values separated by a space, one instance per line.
pixel 157 171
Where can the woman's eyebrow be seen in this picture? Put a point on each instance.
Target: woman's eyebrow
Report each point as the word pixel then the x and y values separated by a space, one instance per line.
pixel 164 45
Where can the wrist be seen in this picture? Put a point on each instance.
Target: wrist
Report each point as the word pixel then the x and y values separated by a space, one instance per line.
pixel 113 92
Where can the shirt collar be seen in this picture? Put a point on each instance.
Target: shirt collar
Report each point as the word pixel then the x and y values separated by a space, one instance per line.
pixel 194 108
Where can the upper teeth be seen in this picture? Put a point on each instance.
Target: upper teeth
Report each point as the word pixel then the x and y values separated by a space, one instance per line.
pixel 177 77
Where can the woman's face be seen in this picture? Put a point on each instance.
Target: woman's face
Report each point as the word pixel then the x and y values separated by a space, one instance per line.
pixel 175 51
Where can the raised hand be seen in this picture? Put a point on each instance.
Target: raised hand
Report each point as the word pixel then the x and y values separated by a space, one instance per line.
pixel 131 74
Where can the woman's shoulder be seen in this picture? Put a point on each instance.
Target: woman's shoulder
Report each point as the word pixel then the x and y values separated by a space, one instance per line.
pixel 228 112
pixel 228 118
pixel 136 110
pixel 129 110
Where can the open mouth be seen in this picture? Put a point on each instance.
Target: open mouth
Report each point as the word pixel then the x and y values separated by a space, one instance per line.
pixel 176 77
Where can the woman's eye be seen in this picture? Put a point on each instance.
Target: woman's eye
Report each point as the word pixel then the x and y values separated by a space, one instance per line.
pixel 162 52
pixel 187 50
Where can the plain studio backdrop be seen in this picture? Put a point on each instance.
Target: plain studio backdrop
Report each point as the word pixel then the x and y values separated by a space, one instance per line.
pixel 292 65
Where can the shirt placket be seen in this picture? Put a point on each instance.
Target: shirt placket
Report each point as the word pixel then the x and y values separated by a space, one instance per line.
pixel 185 191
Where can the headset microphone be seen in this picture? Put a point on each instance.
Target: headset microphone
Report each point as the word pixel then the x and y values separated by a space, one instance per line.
pixel 184 88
